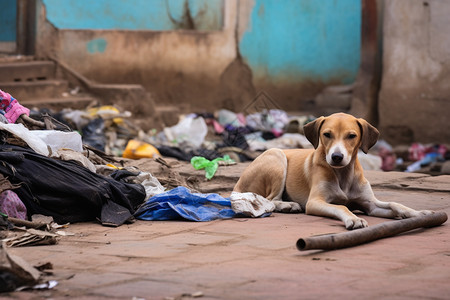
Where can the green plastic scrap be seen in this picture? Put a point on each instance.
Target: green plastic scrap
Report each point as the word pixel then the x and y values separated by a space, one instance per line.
pixel 210 166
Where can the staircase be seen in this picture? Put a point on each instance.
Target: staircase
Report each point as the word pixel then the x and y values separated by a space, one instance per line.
pixel 36 84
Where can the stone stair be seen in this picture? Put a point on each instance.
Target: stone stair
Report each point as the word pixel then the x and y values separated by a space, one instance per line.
pixel 36 84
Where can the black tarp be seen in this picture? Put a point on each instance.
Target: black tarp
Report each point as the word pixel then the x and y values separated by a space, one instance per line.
pixel 66 190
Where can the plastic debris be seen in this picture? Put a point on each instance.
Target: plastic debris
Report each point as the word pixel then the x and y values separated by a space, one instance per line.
pixel 94 134
pixel 180 203
pixel 210 166
pixel 137 149
pixel 190 129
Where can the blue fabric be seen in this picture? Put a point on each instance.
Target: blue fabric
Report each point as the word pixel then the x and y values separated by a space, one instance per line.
pixel 180 203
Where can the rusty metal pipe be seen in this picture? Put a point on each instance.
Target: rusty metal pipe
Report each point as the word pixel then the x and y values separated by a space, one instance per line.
pixel 371 233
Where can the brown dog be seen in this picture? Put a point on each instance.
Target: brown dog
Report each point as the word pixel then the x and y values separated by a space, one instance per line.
pixel 325 181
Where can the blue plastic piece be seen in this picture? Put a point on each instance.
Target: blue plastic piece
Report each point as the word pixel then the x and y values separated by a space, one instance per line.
pixel 180 203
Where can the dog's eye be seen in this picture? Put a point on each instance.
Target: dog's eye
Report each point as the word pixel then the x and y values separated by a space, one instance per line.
pixel 327 134
pixel 351 136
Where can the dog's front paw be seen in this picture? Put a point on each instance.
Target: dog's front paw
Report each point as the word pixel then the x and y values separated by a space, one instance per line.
pixel 355 223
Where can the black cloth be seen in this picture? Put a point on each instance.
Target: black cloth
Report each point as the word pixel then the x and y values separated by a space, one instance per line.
pixel 235 136
pixel 186 154
pixel 66 190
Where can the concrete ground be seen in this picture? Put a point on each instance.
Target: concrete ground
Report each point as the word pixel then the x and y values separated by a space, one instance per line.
pixel 253 258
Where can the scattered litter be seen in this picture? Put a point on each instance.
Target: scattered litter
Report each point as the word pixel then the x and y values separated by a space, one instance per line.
pixel 32 237
pixel 41 286
pixel 210 166
pixel 251 204
pixel 137 149
pixel 197 294
pixel 64 233
pixel 180 203
pixel 189 129
pixel 16 274
pixel 12 206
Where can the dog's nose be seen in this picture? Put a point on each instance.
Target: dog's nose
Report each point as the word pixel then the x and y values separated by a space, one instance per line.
pixel 337 157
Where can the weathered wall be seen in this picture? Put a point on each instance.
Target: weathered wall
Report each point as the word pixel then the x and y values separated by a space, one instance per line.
pixel 175 65
pixel 207 53
pixel 296 48
pixel 414 103
pixel 135 14
pixel 8 11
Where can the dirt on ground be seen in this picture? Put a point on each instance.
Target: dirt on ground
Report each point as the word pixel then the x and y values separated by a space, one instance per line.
pixel 248 258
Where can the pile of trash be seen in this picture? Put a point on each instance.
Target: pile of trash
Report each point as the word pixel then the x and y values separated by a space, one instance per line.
pixel 50 171
pixel 66 165
pixel 433 159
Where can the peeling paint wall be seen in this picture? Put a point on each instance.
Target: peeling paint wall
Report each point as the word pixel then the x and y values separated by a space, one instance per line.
pixel 307 39
pixel 135 14
pixel 302 42
pixel 208 53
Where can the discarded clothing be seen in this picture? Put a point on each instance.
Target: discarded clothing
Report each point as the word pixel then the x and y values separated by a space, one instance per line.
pixel 180 203
pixel 227 117
pixel 273 121
pixel 67 191
pixel 11 107
pixel 235 136
pixel 186 154
pixel 150 183
pixel 251 204
pixel 11 205
pixel 69 154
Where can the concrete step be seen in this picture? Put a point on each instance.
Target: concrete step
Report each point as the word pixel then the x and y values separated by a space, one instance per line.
pixel 26 71
pixel 29 90
pixel 74 102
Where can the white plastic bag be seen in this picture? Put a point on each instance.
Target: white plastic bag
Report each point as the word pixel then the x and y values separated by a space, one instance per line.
pixel 35 143
pixel 189 129
pixel 43 140
pixel 60 140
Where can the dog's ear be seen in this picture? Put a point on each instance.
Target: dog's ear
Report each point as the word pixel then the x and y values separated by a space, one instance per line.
pixel 312 129
pixel 369 135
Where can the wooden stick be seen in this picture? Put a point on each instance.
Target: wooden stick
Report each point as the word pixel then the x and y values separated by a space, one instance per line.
pixel 371 233
pixel 29 224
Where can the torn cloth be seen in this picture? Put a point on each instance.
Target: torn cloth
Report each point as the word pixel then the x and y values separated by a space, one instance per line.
pixel 67 191
pixel 180 203
pixel 12 206
pixel 11 108
pixel 251 204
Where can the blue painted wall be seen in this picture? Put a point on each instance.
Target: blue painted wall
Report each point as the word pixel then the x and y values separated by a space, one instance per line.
pixel 134 14
pixel 8 11
pixel 310 39
pixel 286 41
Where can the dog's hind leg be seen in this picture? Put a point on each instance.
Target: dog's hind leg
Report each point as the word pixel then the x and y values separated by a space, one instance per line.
pixel 280 205
pixel 266 177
